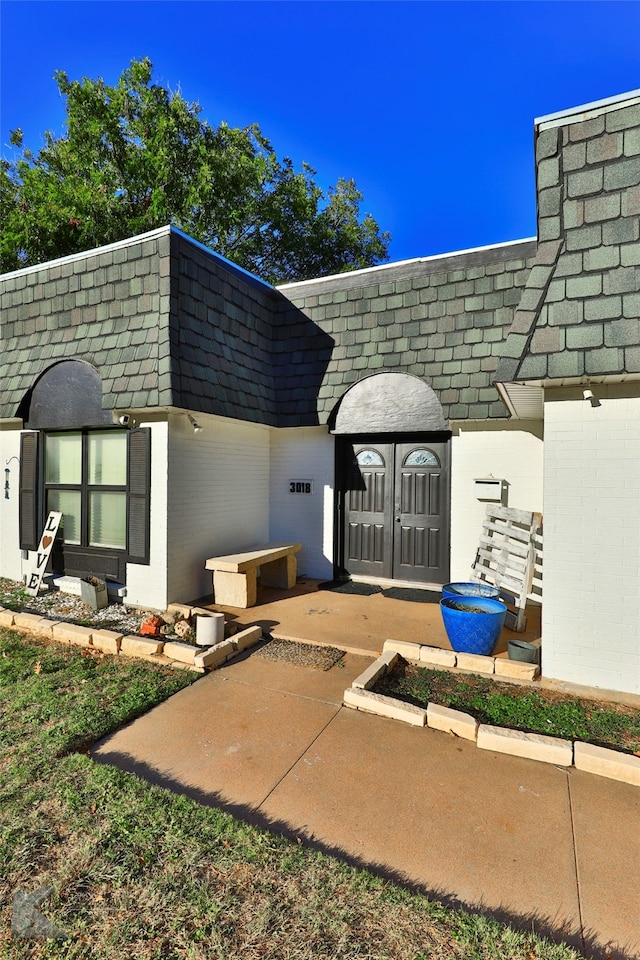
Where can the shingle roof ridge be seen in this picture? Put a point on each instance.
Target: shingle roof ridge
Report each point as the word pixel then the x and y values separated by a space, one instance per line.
pixel 92 252
pixel 619 100
pixel 432 258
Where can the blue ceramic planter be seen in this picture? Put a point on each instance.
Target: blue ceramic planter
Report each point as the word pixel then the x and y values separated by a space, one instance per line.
pixel 473 624
pixel 470 589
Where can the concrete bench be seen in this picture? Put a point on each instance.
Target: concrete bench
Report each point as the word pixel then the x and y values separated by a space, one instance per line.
pixel 235 576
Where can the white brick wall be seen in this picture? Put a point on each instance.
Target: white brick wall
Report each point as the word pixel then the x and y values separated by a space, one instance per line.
pixel 10 557
pixel 513 452
pixel 590 615
pixel 304 454
pixel 218 496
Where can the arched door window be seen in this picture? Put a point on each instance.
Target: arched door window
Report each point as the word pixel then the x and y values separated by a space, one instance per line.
pixel 369 458
pixel 421 457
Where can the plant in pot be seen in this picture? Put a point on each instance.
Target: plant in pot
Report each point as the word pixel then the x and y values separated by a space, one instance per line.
pixel 470 589
pixel 473 624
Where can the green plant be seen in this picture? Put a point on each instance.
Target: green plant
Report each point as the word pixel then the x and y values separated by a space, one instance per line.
pixel 521 708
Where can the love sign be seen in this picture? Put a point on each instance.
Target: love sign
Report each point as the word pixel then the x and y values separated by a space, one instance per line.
pixel 34 579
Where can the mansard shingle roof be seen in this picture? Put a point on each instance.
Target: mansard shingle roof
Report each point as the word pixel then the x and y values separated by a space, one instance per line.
pixel 169 324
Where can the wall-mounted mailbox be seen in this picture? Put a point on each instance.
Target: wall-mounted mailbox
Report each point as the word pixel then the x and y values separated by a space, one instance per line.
pixel 489 488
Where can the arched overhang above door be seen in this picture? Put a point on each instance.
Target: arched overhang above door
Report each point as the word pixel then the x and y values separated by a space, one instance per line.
pixel 388 403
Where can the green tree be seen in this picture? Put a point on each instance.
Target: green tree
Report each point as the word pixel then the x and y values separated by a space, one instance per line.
pixel 137 156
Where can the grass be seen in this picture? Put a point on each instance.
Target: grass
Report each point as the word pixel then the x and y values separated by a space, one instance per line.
pixel 13 595
pixel 518 707
pixel 140 872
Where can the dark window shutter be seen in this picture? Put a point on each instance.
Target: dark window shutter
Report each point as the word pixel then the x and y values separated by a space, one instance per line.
pixel 139 474
pixel 29 529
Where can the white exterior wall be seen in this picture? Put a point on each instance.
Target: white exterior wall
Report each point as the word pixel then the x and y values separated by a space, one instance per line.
pixel 11 564
pixel 147 585
pixel 304 453
pixel 218 497
pixel 590 615
pixel 512 451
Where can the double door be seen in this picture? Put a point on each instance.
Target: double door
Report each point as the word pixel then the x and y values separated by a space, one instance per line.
pixel 395 501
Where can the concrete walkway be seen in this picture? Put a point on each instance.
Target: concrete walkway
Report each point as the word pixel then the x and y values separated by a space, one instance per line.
pixel 532 844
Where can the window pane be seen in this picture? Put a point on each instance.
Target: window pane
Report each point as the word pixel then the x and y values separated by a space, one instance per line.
pixel 68 503
pixel 108 458
pixel 63 458
pixel 422 458
pixel 108 519
pixel 370 458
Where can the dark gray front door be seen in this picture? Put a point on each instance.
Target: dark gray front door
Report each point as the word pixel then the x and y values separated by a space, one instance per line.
pixel 396 510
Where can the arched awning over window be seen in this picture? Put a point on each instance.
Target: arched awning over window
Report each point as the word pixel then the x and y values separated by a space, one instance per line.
pixel 68 394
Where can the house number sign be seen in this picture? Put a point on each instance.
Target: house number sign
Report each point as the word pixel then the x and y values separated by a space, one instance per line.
pixel 45 546
pixel 300 486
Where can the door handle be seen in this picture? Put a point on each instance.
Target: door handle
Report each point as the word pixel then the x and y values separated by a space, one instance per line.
pixel 398 519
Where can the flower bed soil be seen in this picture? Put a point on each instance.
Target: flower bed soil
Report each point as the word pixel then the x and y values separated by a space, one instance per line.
pixel 518 707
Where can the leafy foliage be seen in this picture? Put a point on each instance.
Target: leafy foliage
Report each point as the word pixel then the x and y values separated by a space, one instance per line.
pixel 137 156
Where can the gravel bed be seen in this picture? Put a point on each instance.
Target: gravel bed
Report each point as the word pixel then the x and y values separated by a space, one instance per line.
pixel 302 654
pixel 70 608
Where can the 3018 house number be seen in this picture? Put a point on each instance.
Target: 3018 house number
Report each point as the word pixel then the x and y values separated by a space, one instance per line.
pixel 300 486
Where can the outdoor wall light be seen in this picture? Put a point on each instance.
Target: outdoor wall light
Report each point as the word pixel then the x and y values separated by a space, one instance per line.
pixel 126 420
pixel 588 395
pixel 196 426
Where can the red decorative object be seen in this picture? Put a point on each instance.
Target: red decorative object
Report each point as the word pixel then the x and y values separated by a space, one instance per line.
pixel 150 626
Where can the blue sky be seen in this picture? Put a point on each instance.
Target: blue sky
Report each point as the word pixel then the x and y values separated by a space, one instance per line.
pixel 429 106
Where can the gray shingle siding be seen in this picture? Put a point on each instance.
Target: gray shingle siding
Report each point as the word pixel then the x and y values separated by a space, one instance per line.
pixel 220 334
pixel 443 320
pixel 106 308
pixel 168 323
pixel 594 268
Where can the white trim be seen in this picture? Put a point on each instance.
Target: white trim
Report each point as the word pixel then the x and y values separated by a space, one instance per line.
pixel 85 254
pixel 402 263
pixel 594 108
pixel 524 400
pixel 128 242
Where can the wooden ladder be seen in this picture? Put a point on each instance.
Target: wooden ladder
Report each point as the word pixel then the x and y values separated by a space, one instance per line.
pixel 507 557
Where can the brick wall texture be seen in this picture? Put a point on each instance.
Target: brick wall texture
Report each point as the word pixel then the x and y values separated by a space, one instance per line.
pixel 591 519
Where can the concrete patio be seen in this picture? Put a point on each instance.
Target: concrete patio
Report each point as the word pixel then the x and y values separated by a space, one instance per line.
pixel 355 623
pixel 534 844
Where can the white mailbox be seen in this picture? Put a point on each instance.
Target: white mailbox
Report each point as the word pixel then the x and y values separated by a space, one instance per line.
pixel 489 488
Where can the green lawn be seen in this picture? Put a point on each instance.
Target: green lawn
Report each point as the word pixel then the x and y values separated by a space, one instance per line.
pixel 139 872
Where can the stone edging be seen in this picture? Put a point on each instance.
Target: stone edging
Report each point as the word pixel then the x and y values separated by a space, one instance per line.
pixel 166 652
pixel 489 666
pixel 583 756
